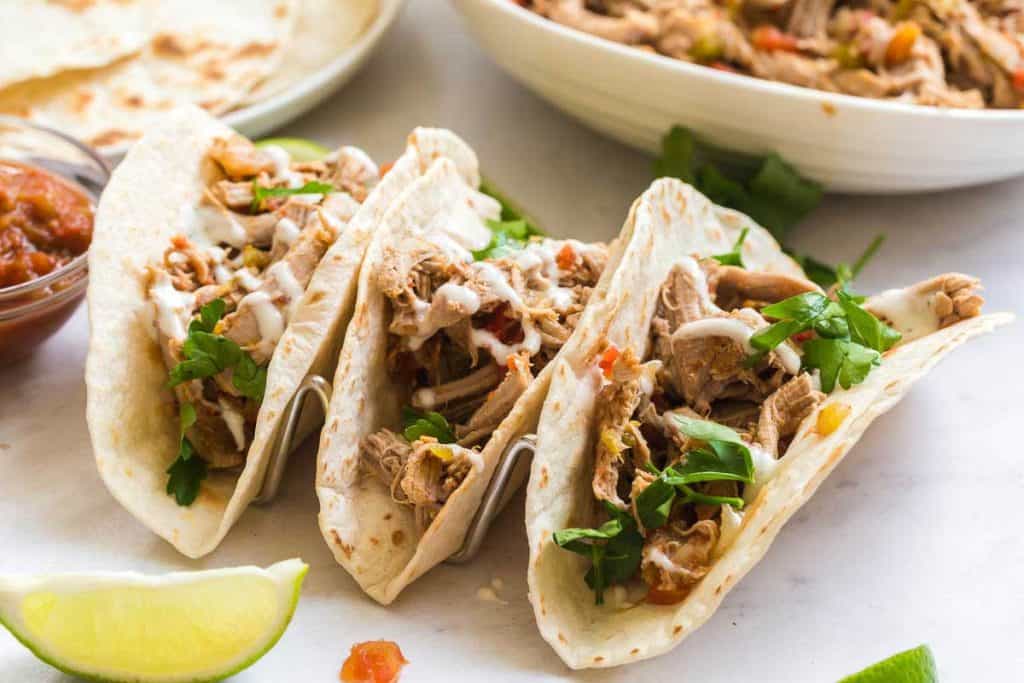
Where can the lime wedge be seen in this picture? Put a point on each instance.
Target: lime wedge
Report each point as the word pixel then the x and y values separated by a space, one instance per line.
pixel 299 149
pixel 186 626
pixel 912 666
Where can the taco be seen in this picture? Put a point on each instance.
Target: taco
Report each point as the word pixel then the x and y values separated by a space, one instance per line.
pixel 718 391
pixel 221 275
pixel 462 309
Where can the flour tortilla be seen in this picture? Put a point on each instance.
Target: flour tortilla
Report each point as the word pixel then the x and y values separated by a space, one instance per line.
pixel 132 418
pixel 373 537
pixel 205 53
pixel 40 38
pixel 671 221
pixel 324 30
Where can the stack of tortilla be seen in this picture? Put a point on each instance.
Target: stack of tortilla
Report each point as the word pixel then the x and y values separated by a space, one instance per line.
pixel 106 70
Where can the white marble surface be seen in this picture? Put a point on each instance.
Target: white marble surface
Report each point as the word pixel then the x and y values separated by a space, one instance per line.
pixel 915 538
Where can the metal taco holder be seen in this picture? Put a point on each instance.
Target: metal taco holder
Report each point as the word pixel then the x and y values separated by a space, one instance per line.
pixel 490 504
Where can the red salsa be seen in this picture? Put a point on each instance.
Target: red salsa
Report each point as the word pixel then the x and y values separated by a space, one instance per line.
pixel 45 222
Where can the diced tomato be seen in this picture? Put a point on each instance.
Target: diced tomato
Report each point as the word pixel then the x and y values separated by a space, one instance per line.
pixel 902 43
pixel 375 661
pixel 503 326
pixel 659 596
pixel 566 257
pixel 1018 80
pixel 722 66
pixel 801 337
pixel 384 168
pixel 608 360
pixel 770 39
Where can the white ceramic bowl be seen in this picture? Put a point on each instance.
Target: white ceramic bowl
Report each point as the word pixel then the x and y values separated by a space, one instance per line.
pixel 851 144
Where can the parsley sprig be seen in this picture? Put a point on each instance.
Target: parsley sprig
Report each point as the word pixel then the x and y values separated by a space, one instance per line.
pixel 506 236
pixel 615 548
pixel 416 424
pixel 849 343
pixel 768 190
pixel 207 354
pixel 735 256
pixel 187 470
pixel 259 193
pixel 511 232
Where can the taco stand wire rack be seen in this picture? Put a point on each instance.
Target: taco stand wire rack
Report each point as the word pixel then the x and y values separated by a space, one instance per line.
pixel 490 505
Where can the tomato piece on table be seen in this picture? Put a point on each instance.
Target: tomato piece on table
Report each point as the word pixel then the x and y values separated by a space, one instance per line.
pixel 375 661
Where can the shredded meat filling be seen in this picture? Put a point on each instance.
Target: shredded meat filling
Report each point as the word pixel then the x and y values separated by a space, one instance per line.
pixel 948 53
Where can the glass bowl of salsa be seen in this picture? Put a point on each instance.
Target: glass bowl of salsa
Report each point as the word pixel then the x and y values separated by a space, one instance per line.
pixel 50 184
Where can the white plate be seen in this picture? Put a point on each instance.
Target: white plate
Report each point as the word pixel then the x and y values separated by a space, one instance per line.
pixel 851 144
pixel 259 119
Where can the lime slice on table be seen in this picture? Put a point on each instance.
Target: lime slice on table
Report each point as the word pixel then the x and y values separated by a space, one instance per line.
pixel 299 149
pixel 185 626
pixel 912 666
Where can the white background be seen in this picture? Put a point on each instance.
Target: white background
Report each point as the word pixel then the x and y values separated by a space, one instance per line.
pixel 916 538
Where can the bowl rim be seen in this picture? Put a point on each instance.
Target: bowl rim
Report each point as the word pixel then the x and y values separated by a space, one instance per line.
pixel 77 265
pixel 866 105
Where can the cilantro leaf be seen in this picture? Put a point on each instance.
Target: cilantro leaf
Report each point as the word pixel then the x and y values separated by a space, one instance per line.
pixel 780 198
pixel 506 236
pixel 250 379
pixel 654 503
pixel 810 310
pixel 207 354
pixel 725 457
pixel 734 257
pixel 614 550
pixel 259 193
pixel 209 315
pixel 825 275
pixel 840 360
pixel 704 499
pixel 186 472
pixel 416 424
pixel 774 195
pixel 866 329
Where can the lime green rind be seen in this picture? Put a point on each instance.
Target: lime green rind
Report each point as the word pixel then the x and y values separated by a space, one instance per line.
pixel 916 665
pixel 96 678
pixel 300 149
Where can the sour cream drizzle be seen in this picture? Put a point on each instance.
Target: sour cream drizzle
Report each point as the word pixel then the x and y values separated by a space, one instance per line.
pixel 235 423
pixel 173 308
pixel 286 232
pixel 282 166
pixel 912 313
pixel 289 285
pixel 269 320
pixel 739 332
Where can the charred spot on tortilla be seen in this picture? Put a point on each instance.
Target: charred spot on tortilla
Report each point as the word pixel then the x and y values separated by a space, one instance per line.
pixel 112 137
pixel 170 45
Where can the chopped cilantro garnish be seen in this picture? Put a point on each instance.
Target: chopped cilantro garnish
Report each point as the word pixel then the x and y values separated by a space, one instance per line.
pixel 768 190
pixel 614 550
pixel 207 354
pixel 840 360
pixel 506 236
pixel 849 343
pixel 825 275
pixel 187 470
pixel 734 257
pixel 259 193
pixel 416 424
pixel 615 547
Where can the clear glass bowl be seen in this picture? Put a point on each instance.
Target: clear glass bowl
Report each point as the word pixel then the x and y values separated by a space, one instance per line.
pixel 33 311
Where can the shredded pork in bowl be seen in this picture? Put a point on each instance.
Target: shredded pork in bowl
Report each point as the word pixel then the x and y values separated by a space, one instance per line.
pixel 949 53
pixel 849 143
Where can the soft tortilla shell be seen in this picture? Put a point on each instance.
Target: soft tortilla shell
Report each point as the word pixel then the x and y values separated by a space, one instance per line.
pixel 131 417
pixel 42 37
pixel 324 30
pixel 205 53
pixel 373 537
pixel 679 222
